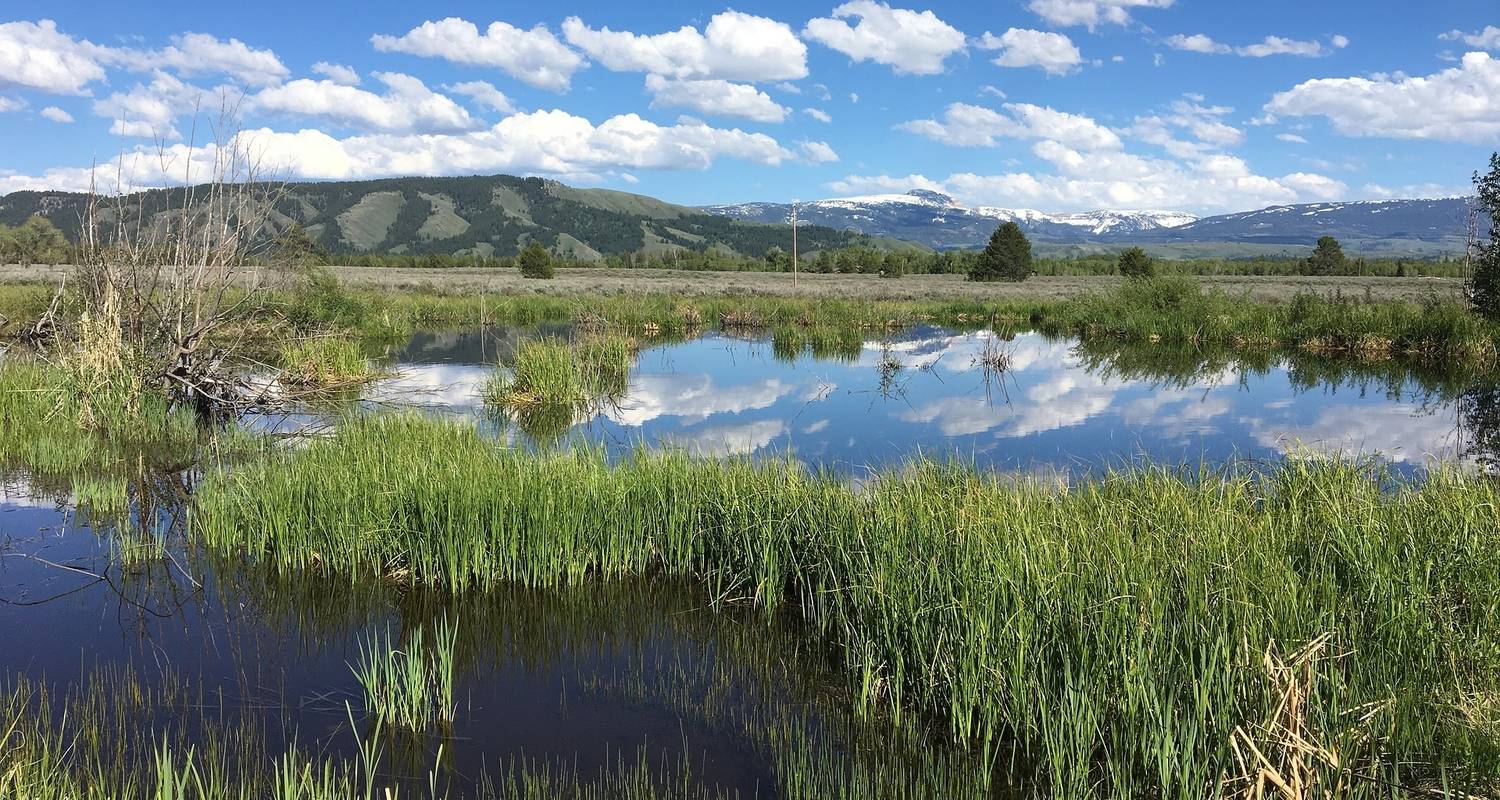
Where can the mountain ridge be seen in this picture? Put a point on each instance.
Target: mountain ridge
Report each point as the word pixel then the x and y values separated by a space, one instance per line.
pixel 939 221
pixel 498 214
pixel 488 215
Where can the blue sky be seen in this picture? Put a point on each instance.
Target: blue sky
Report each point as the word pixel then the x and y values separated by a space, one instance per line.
pixel 1060 105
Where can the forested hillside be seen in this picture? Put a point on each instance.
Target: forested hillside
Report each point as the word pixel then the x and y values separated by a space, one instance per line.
pixel 482 215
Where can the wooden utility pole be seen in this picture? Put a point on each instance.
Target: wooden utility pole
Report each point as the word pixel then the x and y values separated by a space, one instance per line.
pixel 794 244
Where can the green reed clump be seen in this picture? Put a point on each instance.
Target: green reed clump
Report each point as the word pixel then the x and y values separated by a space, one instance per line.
pixel 1116 632
pixel 557 373
pixel 324 361
pixel 105 497
pixel 410 685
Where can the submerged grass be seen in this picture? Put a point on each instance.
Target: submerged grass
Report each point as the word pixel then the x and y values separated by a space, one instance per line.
pixel 1117 633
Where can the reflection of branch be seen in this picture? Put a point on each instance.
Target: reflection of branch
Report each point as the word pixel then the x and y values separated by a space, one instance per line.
pixel 53 564
pixel 97 579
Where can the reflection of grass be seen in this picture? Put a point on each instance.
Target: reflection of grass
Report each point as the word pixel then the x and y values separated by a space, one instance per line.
pixel 117 736
pixel 410 686
pixel 1116 631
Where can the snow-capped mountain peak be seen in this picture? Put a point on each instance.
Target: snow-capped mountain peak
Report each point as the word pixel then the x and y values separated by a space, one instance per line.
pixel 939 221
pixel 915 214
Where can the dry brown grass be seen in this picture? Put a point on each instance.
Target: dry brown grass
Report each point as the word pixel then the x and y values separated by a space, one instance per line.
pixel 603 281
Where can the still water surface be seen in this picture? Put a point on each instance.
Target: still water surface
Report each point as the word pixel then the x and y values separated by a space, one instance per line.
pixel 1055 406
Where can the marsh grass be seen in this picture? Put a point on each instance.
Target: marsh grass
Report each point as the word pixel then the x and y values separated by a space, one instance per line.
pixel 409 685
pixel 54 426
pixel 324 362
pixel 1113 631
pixel 115 735
pixel 552 381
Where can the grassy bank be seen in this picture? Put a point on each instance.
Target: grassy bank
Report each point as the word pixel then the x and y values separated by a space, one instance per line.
pixel 1353 316
pixel 1171 310
pixel 1139 635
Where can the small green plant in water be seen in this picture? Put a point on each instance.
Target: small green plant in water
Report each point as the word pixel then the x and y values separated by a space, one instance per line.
pixel 552 380
pixel 323 362
pixel 410 686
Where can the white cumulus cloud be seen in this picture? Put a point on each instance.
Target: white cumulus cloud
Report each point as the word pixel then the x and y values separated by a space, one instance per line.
pixel 535 56
pixel 338 73
pixel 715 98
pixel 1053 52
pixel 1282 46
pixel 57 115
pixel 733 47
pixel 150 111
pixel 539 143
pixel 36 55
pixel 204 54
pixel 1091 13
pixel 483 93
pixel 909 42
pixel 1487 39
pixel 1458 104
pixel 817 152
pixel 407 106
pixel 968 125
pixel 1269 46
pixel 1197 43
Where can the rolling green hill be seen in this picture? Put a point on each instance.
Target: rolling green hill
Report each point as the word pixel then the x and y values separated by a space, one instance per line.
pixel 484 215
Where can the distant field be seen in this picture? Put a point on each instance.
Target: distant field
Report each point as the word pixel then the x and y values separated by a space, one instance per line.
pixel 913 287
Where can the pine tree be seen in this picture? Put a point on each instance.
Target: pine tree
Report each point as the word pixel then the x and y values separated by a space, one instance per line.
pixel 1483 288
pixel 535 261
pixel 1327 258
pixel 1134 263
pixel 1006 258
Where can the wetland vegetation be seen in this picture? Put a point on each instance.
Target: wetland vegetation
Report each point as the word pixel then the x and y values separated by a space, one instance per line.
pixel 387 583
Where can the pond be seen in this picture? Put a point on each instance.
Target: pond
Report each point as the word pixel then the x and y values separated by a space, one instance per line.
pixel 645 677
pixel 1044 406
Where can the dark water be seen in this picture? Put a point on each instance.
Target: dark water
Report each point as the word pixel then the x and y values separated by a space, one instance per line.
pixel 588 677
pixel 596 676
pixel 1056 406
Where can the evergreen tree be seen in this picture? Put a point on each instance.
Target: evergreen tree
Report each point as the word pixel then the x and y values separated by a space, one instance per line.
pixel 1006 258
pixel 1134 263
pixel 1327 258
pixel 1483 288
pixel 535 261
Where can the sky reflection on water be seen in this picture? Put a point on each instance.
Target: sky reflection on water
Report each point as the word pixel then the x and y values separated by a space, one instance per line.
pixel 926 391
